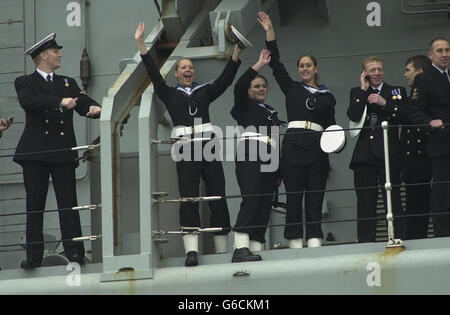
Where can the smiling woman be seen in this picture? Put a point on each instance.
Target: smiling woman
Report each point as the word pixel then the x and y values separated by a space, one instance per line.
pixel 188 106
pixel 185 72
pixel 308 70
pixel 304 166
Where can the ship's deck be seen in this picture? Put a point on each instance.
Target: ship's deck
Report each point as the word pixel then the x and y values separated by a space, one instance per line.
pixel 423 267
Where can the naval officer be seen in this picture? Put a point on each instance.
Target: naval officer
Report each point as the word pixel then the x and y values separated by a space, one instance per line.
pixel 384 102
pixel 415 165
pixel 49 101
pixel 431 106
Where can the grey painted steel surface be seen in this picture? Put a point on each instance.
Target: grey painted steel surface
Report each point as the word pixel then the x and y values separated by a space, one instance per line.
pixel 423 268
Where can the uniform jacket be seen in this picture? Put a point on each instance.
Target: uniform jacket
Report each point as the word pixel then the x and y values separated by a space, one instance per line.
pixel 430 100
pixel 183 107
pixel 250 113
pixel 369 148
pixel 46 126
pixel 413 140
pixel 296 97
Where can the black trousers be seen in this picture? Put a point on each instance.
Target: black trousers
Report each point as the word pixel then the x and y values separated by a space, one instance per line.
pixel 417 171
pixel 367 175
pixel 254 211
pixel 304 170
pixel 36 180
pixel 189 173
pixel 440 195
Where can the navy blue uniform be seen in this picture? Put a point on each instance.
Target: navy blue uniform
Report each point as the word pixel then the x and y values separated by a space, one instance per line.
pixel 368 157
pixel 183 108
pixel 430 100
pixel 254 211
pixel 49 128
pixel 304 166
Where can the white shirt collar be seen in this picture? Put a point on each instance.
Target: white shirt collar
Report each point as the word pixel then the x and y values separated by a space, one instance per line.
pixel 441 71
pixel 379 87
pixel 44 75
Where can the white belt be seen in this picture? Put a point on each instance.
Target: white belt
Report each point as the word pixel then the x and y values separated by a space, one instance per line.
pixel 304 124
pixel 257 136
pixel 183 131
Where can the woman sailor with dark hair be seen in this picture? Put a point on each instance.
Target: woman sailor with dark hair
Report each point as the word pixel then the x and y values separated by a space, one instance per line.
pixel 257 118
pixel 187 103
pixel 304 166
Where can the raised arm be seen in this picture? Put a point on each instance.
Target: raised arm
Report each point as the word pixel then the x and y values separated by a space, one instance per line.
pixel 279 71
pixel 159 84
pixel 227 76
pixel 266 24
pixel 242 85
pixel 139 37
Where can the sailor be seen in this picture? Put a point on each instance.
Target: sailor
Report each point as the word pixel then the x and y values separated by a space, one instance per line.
pixel 251 112
pixel 430 104
pixel 49 101
pixel 415 165
pixel 304 166
pixel 384 103
pixel 187 103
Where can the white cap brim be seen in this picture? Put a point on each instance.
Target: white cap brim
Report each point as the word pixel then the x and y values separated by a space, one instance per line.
pixel 356 126
pixel 241 37
pixel 333 139
pixel 48 38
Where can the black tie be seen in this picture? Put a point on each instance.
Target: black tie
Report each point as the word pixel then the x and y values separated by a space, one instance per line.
pixel 445 77
pixel 49 80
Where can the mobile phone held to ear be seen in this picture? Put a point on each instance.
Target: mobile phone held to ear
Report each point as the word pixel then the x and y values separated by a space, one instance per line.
pixel 367 78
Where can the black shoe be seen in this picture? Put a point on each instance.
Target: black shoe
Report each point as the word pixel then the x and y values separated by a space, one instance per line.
pixel 28 265
pixel 78 259
pixel 191 259
pixel 244 254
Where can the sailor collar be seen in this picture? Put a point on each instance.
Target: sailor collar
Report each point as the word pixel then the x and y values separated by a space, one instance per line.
pixel 189 90
pixel 313 90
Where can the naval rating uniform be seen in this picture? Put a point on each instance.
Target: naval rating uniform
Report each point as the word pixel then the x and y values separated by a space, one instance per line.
pixel 304 166
pixel 252 178
pixel 184 106
pixel 368 156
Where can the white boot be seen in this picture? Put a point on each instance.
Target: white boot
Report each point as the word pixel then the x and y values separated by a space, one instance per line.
pixel 296 243
pixel 190 243
pixel 241 240
pixel 221 243
pixel 255 246
pixel 314 242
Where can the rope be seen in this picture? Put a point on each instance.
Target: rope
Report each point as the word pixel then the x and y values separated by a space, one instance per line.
pixel 303 223
pixel 77 208
pixel 306 131
pixel 75 239
pixel 209 198
pixel 85 147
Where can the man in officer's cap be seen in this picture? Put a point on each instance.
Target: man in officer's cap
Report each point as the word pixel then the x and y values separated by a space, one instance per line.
pixel 48 100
